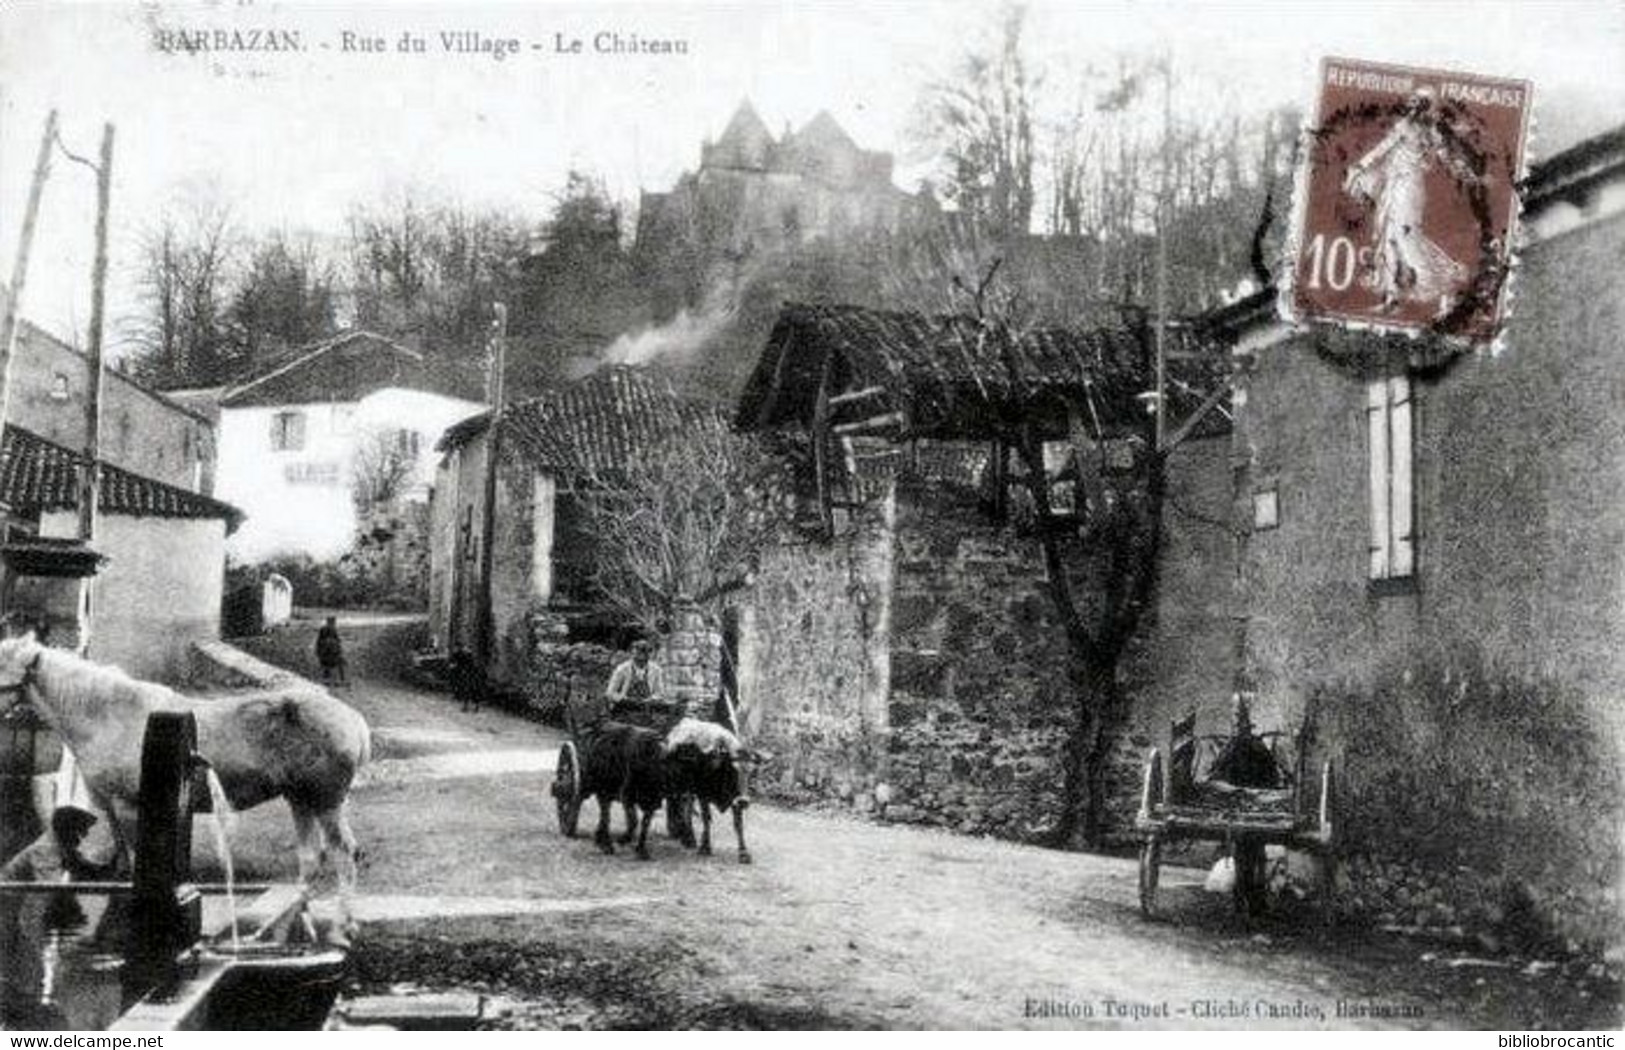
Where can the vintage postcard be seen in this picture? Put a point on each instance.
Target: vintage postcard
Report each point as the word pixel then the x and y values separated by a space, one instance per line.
pixel 816 515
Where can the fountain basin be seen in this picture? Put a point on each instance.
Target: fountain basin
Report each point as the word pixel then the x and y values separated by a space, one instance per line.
pixel 63 947
pixel 260 980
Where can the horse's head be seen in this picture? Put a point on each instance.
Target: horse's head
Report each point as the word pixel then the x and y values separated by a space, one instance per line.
pixel 19 657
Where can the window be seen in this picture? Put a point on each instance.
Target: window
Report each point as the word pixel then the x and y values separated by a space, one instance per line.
pixel 1266 509
pixel 288 431
pixel 407 443
pixel 1389 445
pixel 59 387
pixel 541 569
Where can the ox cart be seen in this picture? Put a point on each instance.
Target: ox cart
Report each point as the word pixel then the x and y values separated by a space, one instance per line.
pixel 583 719
pixel 1245 792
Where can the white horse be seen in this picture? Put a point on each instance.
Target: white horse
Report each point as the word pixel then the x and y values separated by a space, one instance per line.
pixel 298 743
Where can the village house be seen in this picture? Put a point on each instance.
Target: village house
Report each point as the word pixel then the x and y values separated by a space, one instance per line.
pixel 907 637
pixel 142 430
pixel 1431 578
pixel 158 551
pixel 521 606
pixel 302 435
pixel 158 533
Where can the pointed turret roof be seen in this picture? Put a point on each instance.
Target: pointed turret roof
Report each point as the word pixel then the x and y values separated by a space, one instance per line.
pixel 745 142
pixel 823 131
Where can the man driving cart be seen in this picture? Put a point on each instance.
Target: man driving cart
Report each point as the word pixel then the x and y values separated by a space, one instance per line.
pixel 637 685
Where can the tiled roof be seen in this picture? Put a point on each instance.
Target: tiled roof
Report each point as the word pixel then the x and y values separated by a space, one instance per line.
pixel 346 367
pixel 949 380
pixel 38 475
pixel 595 424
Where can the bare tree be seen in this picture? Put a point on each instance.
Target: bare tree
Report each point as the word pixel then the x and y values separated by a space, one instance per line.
pixel 1100 551
pixel 982 119
pixel 284 297
pixel 684 521
pixel 428 269
pixel 382 465
pixel 184 275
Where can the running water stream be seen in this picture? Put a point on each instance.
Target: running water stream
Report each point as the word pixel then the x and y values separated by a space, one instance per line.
pixel 224 820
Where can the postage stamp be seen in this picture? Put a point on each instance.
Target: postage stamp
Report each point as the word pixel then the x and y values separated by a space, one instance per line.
pixel 1407 201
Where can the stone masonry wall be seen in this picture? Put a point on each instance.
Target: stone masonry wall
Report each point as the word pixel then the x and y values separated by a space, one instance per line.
pixel 814 664
pixel 978 699
pixel 690 658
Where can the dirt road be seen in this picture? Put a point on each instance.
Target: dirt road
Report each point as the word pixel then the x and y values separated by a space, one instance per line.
pixel 469 885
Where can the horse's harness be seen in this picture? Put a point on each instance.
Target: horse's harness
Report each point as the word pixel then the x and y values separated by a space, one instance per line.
pixel 19 688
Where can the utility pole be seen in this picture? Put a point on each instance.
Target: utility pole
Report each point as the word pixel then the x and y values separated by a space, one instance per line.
pixel 1163 222
pixel 90 469
pixel 19 271
pixel 493 432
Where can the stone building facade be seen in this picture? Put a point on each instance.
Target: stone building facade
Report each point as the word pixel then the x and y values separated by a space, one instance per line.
pixel 142 430
pixel 1466 673
pixel 905 650
pixel 536 623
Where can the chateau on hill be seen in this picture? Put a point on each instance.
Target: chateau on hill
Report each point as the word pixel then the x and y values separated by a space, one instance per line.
pixel 754 192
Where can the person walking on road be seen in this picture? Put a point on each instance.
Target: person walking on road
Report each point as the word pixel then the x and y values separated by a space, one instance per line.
pixel 330 654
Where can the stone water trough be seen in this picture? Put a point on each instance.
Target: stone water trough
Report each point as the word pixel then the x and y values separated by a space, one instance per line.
pixel 160 953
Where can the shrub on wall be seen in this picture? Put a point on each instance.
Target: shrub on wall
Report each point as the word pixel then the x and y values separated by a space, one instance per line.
pixel 1460 767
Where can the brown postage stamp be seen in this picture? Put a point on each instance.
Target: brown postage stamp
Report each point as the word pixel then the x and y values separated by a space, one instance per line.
pixel 1407 200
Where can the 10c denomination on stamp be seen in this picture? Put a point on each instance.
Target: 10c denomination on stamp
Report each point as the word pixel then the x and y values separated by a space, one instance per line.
pixel 1406 202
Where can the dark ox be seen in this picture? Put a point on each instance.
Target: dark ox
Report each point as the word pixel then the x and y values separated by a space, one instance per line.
pixel 626 764
pixel 697 763
pixel 709 777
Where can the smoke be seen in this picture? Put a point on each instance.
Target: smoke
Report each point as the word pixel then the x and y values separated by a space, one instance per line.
pixel 676 341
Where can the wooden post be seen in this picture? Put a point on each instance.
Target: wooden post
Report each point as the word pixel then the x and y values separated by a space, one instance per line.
pixel 1164 221
pixel 90 469
pixel 19 272
pixel 999 473
pixel 487 615
pixel 820 437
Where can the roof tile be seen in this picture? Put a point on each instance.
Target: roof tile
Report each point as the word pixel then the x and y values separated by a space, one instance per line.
pixel 39 475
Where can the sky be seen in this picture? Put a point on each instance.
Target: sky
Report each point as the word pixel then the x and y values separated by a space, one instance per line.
pixel 294 139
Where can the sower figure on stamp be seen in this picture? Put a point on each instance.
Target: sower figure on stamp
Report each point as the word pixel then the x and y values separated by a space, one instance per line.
pixel 330 654
pixel 1406 264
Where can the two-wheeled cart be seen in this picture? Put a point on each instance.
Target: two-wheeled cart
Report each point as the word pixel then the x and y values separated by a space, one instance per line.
pixel 1180 800
pixel 583 720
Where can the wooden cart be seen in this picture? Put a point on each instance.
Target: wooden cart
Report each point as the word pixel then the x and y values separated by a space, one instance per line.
pixel 583 718
pixel 1180 801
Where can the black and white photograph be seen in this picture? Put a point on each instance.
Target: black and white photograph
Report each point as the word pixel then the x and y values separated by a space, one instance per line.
pixel 927 515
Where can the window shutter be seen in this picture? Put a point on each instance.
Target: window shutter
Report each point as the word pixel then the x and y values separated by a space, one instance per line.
pixel 1376 414
pixel 1401 455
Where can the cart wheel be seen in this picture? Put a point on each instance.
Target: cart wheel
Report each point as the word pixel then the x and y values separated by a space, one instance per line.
pixel 567 788
pixel 1150 862
pixel 1250 885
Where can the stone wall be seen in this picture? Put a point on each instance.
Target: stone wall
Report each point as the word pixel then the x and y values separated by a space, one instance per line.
pixel 979 696
pixel 914 661
pixel 690 657
pixel 555 672
pixel 814 661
